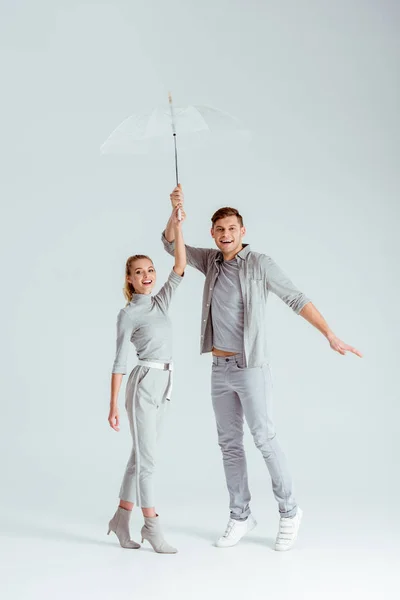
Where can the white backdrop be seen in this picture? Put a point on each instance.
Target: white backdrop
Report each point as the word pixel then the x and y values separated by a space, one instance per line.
pixel 318 85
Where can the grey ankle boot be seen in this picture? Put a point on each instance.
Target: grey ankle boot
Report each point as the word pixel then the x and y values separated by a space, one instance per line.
pixel 119 524
pixel 151 532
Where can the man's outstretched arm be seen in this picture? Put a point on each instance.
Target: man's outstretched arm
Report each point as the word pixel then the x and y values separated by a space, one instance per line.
pixel 310 313
pixel 280 284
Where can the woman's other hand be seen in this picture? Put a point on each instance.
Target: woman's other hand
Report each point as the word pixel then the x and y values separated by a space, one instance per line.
pixel 113 418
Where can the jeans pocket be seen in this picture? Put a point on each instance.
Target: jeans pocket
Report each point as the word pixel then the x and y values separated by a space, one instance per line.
pixel 240 363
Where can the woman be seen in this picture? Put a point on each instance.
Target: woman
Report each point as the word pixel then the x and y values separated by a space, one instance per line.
pixel 144 322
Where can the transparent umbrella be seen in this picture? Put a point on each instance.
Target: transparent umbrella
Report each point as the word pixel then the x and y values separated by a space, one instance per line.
pixel 192 126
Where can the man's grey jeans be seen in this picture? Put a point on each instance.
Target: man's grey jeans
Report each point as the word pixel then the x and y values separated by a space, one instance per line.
pixel 238 391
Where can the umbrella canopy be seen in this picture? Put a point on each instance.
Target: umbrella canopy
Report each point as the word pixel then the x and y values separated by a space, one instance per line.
pixel 152 130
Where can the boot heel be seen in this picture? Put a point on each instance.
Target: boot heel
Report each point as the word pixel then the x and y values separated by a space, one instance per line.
pixel 108 532
pixel 142 540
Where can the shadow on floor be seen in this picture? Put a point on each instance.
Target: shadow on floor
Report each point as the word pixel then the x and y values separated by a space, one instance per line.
pixel 30 530
pixel 25 529
pixel 211 536
pixel 193 531
pixel 260 541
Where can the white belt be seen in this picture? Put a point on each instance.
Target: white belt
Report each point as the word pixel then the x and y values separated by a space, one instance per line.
pixel 163 367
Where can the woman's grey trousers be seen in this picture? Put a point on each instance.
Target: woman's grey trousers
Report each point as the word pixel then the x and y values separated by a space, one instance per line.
pixel 146 403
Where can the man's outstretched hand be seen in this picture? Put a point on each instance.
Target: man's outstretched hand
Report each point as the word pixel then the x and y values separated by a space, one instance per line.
pixel 311 314
pixel 338 346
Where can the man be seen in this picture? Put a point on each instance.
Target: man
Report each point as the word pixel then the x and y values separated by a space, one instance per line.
pixel 237 285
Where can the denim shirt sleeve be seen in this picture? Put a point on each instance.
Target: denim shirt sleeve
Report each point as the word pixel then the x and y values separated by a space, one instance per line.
pixel 196 257
pixel 124 332
pixel 163 297
pixel 279 283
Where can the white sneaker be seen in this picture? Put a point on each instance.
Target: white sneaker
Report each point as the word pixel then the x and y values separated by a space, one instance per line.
pixel 234 532
pixel 288 530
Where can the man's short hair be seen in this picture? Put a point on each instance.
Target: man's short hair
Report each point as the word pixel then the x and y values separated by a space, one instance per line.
pixel 226 211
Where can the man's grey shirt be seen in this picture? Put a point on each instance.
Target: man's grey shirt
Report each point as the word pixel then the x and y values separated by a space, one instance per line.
pixel 227 309
pixel 258 275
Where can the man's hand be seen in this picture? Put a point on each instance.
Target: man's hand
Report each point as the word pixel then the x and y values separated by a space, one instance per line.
pixel 338 346
pixel 310 313
pixel 177 196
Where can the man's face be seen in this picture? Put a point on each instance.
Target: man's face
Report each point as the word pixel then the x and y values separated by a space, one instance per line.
pixel 228 235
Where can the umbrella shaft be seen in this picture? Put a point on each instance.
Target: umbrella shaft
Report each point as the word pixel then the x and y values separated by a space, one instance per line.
pixel 176 160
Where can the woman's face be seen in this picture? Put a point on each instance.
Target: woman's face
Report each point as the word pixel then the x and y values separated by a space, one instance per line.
pixel 143 276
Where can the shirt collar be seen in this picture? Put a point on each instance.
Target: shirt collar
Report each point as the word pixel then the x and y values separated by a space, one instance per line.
pixel 242 254
pixel 141 298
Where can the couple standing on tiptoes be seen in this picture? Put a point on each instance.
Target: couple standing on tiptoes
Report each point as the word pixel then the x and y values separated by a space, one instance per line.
pixel 233 320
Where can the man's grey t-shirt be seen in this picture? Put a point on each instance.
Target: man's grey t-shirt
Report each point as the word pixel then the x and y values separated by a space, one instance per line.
pixel 227 309
pixel 145 323
pixel 259 275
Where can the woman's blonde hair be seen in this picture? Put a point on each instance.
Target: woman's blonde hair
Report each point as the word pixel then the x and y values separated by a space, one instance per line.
pixel 128 288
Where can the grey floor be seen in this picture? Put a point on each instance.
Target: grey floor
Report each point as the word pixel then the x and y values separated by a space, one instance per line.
pixel 335 557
